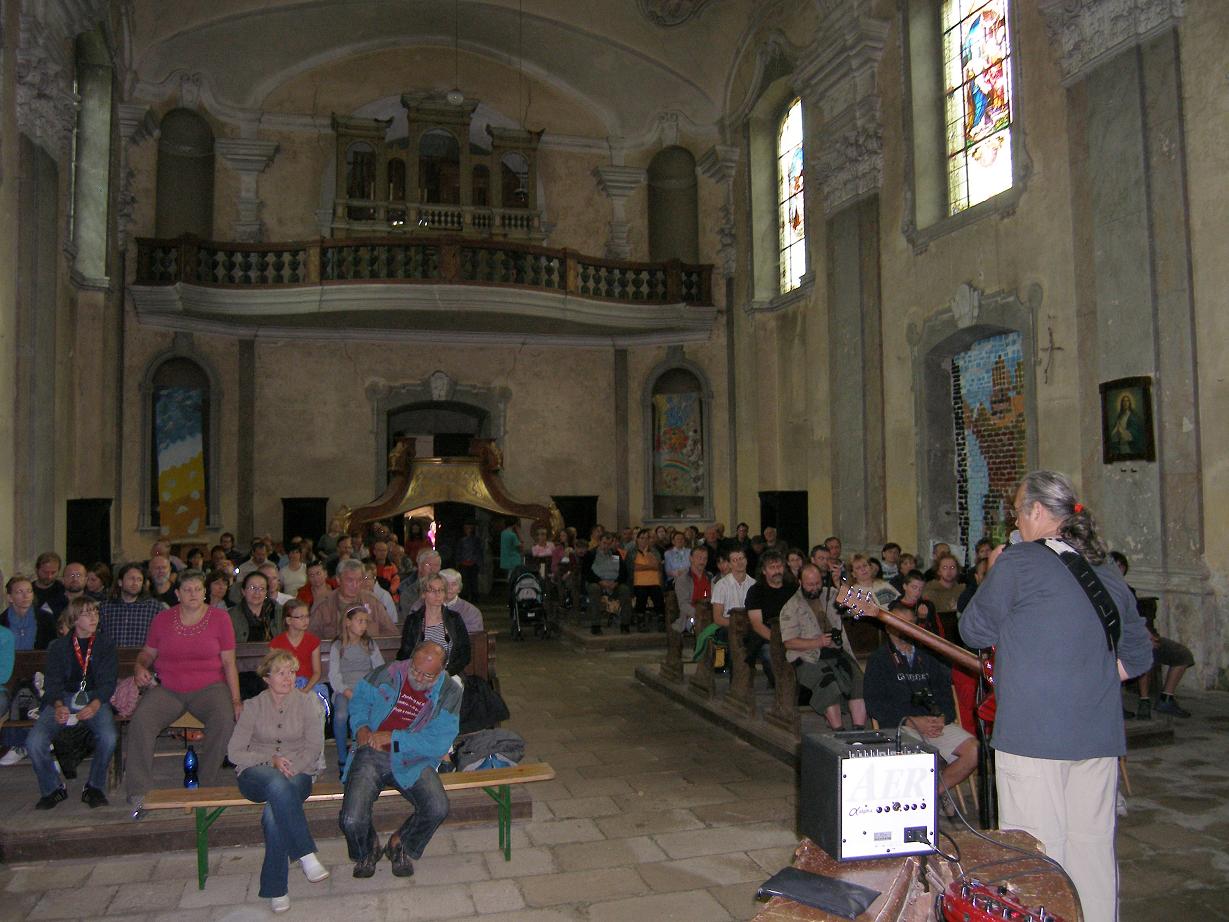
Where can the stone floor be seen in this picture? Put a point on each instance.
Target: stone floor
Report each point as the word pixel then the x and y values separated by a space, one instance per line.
pixel 654 815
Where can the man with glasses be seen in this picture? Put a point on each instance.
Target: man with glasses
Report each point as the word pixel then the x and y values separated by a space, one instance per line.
pixel 327 612
pixel 404 716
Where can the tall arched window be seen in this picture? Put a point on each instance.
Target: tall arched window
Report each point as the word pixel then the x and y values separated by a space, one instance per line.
pixel 179 419
pixel 673 222
pixel 361 180
pixel 439 168
pixel 977 100
pixel 184 200
pixel 791 220
pixel 679 463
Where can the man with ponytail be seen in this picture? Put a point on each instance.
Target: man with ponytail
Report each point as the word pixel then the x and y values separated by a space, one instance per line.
pixel 1063 644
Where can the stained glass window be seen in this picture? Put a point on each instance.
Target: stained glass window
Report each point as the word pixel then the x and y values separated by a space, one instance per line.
pixel 978 103
pixel 791 223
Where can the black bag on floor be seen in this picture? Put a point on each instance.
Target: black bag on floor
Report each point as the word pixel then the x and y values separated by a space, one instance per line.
pixel 72 746
pixel 481 705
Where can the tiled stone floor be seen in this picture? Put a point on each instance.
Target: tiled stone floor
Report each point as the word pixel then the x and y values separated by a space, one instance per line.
pixel 654 815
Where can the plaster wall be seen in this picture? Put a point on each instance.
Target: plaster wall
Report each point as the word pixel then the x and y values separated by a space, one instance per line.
pixel 9 24
pixel 1004 252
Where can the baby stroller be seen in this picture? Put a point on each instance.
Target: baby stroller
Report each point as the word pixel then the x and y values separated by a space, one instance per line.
pixel 527 604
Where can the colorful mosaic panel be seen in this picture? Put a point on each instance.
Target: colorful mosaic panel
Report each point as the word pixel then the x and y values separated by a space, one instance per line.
pixel 179 457
pixel 991 443
pixel 791 218
pixel 978 100
pixel 678 445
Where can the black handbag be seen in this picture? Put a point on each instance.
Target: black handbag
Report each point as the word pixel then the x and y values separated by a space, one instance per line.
pixel 821 892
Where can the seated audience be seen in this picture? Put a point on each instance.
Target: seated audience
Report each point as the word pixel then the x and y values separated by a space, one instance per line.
pixel 890 562
pixel 794 559
pixel 731 590
pixel 79 681
pixel 764 603
pixel 278 750
pixel 74 582
pixel 815 642
pixel 161 579
pixel 48 590
pixel 913 585
pixel 864 578
pixel 691 587
pixel 645 566
pixel 907 685
pixel 1165 652
pixel 387 573
pixel 773 542
pixel 260 555
pixel 126 616
pixel 371 583
pixel 255 617
pixel 294 574
pixel 195 560
pixel 405 718
pixel 944 588
pixel 301 643
pixel 937 553
pixel 317 586
pixel 352 656
pixel 33 626
pixel 98 581
pixel 606 578
pixel 438 623
pixel 678 557
pixel 193 647
pixel 327 612
pixel 908 563
pixel 274 577
pixel 470 613
pixel 217 588
pixel 427 562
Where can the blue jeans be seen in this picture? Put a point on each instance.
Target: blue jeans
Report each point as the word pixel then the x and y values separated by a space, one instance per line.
pixel 287 837
pixel 45 729
pixel 341 727
pixel 369 774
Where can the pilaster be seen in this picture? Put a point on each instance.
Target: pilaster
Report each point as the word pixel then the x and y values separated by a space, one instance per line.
pixel 719 164
pixel 248 157
pixel 618 183
pixel 136 124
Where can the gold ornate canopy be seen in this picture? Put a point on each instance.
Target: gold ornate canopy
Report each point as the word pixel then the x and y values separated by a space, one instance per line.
pixel 473 479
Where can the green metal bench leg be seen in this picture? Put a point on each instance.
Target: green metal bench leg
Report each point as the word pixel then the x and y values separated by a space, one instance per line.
pixel 502 796
pixel 204 819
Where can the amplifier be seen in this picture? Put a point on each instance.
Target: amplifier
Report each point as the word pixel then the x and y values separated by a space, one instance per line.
pixel 860 798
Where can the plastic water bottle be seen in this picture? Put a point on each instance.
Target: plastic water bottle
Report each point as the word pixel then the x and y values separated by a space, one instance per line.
pixel 189 769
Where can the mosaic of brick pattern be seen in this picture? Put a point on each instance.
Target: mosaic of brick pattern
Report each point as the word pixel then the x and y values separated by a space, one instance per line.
pixel 990 430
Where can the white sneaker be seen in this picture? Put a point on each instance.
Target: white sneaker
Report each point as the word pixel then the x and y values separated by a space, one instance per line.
pixel 313 869
pixel 13 756
pixel 280 903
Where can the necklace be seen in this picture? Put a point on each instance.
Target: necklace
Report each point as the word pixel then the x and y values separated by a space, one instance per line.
pixel 193 629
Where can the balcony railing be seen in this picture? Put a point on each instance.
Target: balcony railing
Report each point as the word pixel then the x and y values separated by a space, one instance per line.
pixel 417 259
pixel 464 220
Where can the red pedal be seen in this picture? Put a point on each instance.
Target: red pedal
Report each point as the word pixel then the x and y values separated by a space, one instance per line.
pixel 969 900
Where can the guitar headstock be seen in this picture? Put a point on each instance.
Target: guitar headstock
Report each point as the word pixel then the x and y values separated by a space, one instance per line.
pixel 861 601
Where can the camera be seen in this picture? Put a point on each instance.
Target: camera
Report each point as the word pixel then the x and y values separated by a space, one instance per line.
pixel 835 634
pixel 924 698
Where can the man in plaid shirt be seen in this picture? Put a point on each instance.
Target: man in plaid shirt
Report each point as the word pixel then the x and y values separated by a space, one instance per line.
pixel 124 618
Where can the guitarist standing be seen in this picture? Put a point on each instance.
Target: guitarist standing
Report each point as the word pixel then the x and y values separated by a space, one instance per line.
pixel 1066 632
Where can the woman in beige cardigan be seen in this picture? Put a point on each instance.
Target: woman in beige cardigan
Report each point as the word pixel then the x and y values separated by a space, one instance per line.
pixel 278 749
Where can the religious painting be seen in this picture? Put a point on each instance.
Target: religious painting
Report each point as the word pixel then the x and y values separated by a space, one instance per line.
pixel 1126 420
pixel 179 457
pixel 978 100
pixel 991 435
pixel 678 452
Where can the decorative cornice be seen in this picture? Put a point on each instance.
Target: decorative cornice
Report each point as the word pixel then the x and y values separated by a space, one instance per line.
pixel 668 13
pixel 244 155
pixel 839 79
pixel 618 182
pixel 46 103
pixel 1087 33
pixel 136 122
pixel 719 164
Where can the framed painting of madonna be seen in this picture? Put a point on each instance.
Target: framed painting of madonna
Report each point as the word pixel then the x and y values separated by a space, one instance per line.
pixel 1126 420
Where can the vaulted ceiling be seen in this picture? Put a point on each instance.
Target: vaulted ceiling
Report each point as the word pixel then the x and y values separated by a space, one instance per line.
pixel 608 56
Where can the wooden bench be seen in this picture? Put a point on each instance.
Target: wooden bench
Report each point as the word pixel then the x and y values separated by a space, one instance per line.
pixel 209 803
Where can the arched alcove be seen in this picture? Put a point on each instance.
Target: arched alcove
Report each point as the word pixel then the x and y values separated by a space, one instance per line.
pixel 439 168
pixel 184 197
pixel 180 403
pixel 673 219
pixel 677 411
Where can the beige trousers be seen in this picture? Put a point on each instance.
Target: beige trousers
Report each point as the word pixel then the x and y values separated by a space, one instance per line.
pixel 1069 807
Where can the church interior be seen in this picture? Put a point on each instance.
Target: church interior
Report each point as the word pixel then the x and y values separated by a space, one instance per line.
pixel 841 267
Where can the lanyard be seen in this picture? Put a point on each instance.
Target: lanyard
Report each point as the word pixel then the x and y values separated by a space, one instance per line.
pixel 83 661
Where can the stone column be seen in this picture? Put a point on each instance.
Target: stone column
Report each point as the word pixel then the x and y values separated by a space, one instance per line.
pixel 618 182
pixel 248 157
pixel 1120 58
pixel 719 163
pixel 845 166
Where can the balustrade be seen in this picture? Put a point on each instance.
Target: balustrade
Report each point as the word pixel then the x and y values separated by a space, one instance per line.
pixel 415 258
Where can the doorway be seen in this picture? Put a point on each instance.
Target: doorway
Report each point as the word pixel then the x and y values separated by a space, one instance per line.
pixel 787 511
pixel 88 531
pixel 305 516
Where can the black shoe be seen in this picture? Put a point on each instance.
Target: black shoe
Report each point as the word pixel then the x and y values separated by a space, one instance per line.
pixel 1143 710
pixel 402 865
pixel 596 630
pixel 51 800
pixel 1169 705
pixel 366 867
pixel 92 797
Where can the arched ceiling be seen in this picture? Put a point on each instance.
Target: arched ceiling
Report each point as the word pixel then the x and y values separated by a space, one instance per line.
pixel 605 54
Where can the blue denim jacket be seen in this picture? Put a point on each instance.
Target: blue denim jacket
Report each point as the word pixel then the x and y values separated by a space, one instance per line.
pixel 422 744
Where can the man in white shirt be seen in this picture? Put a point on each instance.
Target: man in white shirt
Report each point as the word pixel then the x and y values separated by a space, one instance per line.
pixel 731 590
pixel 273 575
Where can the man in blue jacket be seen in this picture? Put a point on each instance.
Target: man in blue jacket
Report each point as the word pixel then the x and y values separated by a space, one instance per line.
pixel 404 717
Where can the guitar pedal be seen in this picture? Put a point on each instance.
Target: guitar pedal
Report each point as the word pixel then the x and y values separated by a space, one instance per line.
pixel 967 899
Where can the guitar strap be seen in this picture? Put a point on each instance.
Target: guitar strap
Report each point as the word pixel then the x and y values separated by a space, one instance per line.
pixel 1102 603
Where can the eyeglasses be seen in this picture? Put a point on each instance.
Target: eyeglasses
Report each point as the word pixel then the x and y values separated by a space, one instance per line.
pixel 434 589
pixel 299 614
pixel 424 676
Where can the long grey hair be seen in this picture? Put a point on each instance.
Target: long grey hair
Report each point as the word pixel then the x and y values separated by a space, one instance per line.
pixel 1057 496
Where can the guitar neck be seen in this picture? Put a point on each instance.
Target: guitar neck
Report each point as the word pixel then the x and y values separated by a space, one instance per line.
pixel 864 603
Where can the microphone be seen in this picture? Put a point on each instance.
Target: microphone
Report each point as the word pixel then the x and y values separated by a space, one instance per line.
pixel 1015 537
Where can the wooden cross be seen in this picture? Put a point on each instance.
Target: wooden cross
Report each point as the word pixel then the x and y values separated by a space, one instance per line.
pixel 1049 351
